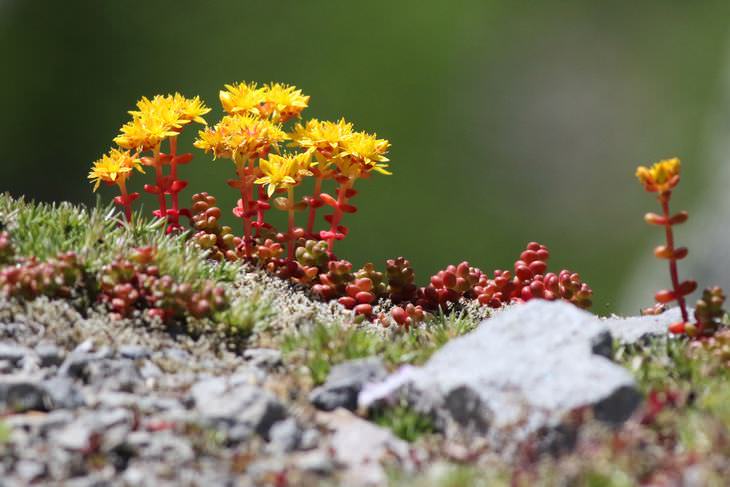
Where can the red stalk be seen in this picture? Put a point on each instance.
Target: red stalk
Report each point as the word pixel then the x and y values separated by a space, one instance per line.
pixel 337 215
pixel 126 203
pixel 173 171
pixel 244 188
pixel 160 181
pixel 314 204
pixel 664 200
pixel 261 207
pixel 290 209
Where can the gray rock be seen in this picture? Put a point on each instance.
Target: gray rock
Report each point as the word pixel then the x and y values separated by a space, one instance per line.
pixel 6 367
pixel 362 447
pixel 63 393
pixel 345 381
pixel 167 447
pixel 310 439
pixel 12 352
pixel 40 425
pixel 284 436
pixel 317 461
pixel 222 399
pixel 113 374
pixel 30 470
pixel 638 328
pixel 18 394
pixel 265 358
pixel 105 430
pixel 176 354
pixel 150 370
pixel 519 373
pixel 75 436
pixel 134 352
pixel 50 355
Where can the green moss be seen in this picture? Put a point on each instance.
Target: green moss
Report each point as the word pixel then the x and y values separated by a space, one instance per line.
pixel 324 345
pixel 97 235
pixel 405 422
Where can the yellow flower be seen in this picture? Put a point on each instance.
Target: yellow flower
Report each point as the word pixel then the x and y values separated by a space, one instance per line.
pixel 241 98
pixel 279 172
pixel 240 137
pixel 325 137
pixel 114 167
pixel 367 150
pixel 158 118
pixel 282 102
pixel 190 109
pixel 661 177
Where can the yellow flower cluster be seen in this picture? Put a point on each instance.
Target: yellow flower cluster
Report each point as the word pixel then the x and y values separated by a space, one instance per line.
pixel 661 177
pixel 241 137
pixel 114 167
pixel 284 171
pixel 158 118
pixel 275 101
pixel 252 128
pixel 353 153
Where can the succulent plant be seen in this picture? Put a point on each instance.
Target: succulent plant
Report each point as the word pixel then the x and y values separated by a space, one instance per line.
pixel 56 277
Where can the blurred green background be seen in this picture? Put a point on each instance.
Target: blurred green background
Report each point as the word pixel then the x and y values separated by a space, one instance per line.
pixel 510 121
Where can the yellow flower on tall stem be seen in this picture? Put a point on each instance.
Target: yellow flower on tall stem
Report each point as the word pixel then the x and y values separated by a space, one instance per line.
pixel 243 139
pixel 158 119
pixel 115 168
pixel 361 153
pixel 661 178
pixel 325 140
pixel 285 172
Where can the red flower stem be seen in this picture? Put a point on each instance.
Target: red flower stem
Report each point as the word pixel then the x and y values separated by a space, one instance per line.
pixel 337 215
pixel 290 209
pixel 313 208
pixel 125 199
pixel 159 176
pixel 260 210
pixel 173 169
pixel 243 176
pixel 664 200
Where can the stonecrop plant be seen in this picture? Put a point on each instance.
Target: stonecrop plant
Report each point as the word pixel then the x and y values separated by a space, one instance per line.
pixel 662 178
pixel 140 142
pixel 274 153
pixel 252 136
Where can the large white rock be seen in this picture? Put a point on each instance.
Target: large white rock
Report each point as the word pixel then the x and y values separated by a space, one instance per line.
pixel 518 373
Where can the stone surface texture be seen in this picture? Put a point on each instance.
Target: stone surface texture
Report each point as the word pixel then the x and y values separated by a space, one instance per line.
pixel 518 374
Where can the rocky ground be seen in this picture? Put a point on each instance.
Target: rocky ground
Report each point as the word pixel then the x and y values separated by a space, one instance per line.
pixel 290 391
pixel 96 401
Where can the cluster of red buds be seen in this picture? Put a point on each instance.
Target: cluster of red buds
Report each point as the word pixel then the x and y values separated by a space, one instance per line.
pixel 218 240
pixel 529 280
pixel 449 286
pixel 408 315
pixel 56 277
pixel 315 266
pixel 133 284
pixel 661 178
